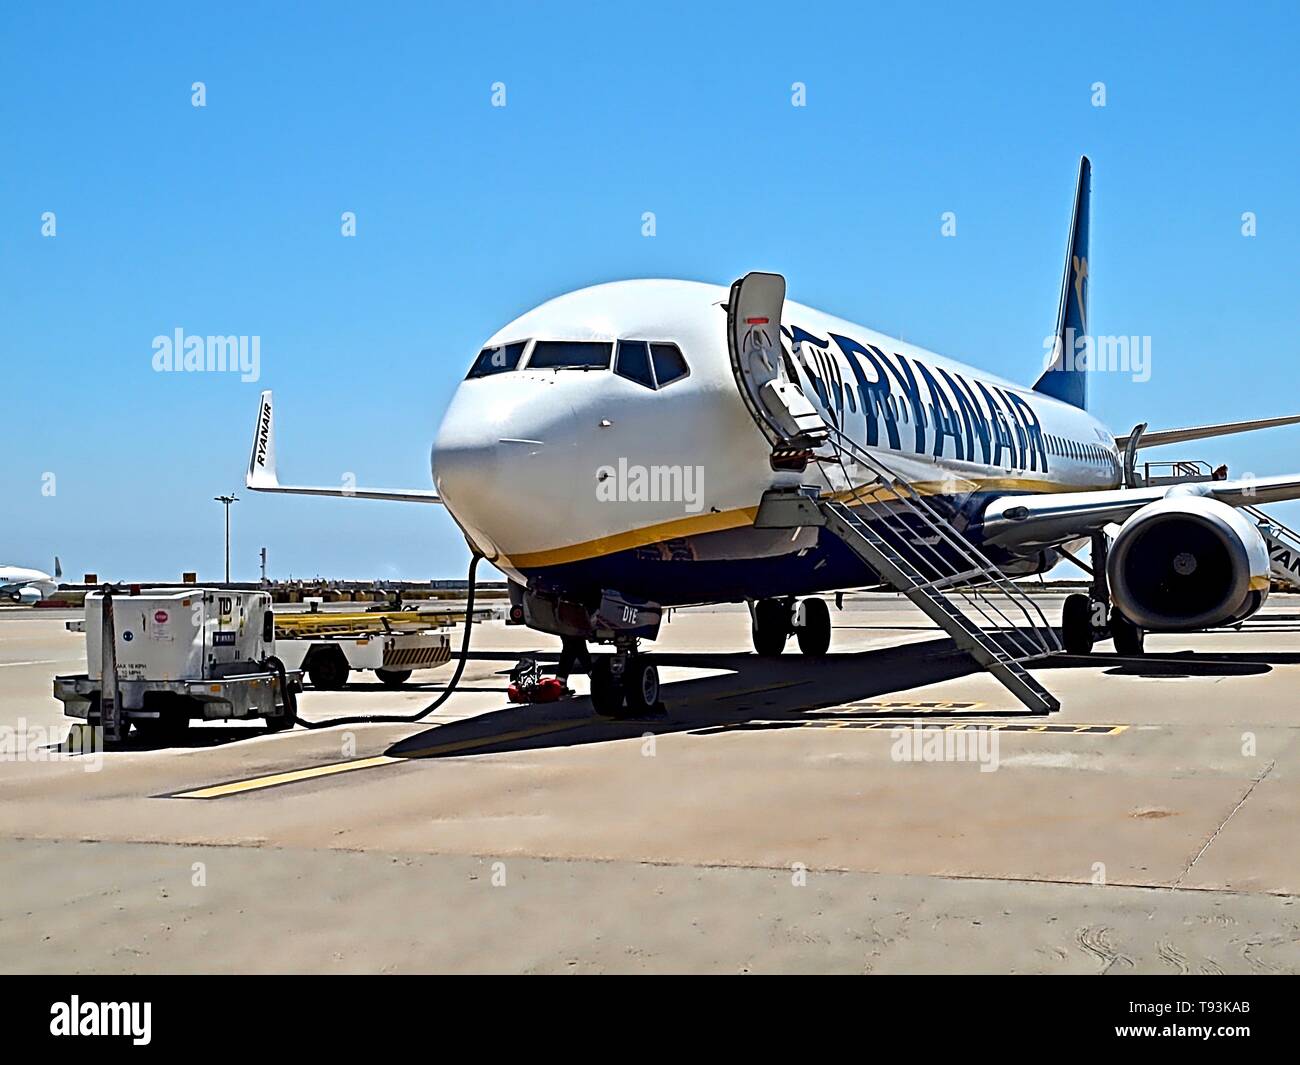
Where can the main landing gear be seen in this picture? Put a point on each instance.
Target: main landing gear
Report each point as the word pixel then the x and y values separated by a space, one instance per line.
pixel 1088 619
pixel 625 684
pixel 774 620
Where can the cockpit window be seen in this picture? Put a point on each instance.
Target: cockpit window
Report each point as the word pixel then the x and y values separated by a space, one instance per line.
pixel 634 362
pixel 669 363
pixel 500 359
pixel 571 355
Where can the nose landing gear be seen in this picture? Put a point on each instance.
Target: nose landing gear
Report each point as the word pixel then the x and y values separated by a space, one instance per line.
pixel 625 684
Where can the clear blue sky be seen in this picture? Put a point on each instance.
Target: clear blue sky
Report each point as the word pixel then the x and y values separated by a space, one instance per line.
pixel 226 220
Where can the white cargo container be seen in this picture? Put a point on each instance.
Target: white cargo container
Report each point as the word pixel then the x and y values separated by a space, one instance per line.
pixel 194 653
pixel 195 634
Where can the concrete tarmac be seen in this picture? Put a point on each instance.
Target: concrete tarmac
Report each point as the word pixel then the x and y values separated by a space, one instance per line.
pixel 781 816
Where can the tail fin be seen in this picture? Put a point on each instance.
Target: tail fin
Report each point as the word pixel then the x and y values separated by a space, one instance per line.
pixel 58 568
pixel 1066 376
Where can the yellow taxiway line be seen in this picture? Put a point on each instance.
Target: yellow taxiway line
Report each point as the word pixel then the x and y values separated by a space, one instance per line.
pixel 294 776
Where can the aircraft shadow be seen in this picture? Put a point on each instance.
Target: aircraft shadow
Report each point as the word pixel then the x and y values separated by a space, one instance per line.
pixel 780 692
pixel 784 690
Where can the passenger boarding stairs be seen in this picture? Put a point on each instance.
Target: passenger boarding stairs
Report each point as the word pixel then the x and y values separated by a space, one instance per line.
pixel 1283 547
pixel 918 552
pixel 881 517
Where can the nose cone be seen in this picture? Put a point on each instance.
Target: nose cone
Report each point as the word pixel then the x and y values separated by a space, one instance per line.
pixel 497 453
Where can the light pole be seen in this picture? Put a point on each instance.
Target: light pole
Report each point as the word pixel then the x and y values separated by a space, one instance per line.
pixel 226 501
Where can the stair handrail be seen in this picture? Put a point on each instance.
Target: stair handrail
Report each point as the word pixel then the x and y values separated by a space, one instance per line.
pixel 841 443
pixel 1263 515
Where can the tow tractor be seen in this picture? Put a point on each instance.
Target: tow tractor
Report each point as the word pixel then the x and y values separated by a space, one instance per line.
pixel 156 659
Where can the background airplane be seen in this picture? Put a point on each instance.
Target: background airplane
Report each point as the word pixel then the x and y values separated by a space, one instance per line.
pixel 29 586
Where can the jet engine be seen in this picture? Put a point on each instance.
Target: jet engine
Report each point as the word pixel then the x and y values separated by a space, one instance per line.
pixel 1187 562
pixel 28 596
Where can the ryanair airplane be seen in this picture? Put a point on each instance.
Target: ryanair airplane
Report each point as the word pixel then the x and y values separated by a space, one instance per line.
pixel 609 451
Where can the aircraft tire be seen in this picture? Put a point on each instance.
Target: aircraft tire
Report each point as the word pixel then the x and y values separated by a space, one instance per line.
pixel 1076 624
pixel 640 686
pixel 771 626
pixel 1129 638
pixel 814 634
pixel 606 692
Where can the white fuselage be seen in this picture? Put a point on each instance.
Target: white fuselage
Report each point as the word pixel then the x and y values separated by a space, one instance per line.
pixel 26 585
pixel 545 469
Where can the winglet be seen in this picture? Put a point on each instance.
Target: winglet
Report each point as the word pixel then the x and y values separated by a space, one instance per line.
pixel 58 568
pixel 261 459
pixel 1066 377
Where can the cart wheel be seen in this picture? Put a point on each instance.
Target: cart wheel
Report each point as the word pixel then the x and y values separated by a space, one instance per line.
pixel 328 671
pixel 165 731
pixel 95 720
pixel 393 678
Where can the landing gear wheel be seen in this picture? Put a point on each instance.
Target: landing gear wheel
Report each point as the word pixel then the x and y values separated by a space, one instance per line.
pixel 1076 624
pixel 393 678
pixel 771 626
pixel 1129 638
pixel 640 686
pixel 328 672
pixel 606 690
pixel 814 634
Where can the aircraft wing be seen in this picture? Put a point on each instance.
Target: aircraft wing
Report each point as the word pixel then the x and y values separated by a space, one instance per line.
pixel 1046 518
pixel 1205 432
pixel 262 476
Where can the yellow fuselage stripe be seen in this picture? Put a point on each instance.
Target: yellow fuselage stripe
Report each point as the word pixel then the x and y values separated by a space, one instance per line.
pixel 697 524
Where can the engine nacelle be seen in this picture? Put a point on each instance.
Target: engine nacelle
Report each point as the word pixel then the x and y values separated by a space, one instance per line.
pixel 29 596
pixel 1187 562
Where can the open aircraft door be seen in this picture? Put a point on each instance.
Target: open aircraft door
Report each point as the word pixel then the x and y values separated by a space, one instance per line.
pixel 777 403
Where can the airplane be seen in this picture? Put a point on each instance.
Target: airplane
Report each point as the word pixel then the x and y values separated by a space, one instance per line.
pixel 28 586
pixel 609 451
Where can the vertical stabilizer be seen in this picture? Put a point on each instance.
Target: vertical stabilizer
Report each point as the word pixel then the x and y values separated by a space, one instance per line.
pixel 1066 377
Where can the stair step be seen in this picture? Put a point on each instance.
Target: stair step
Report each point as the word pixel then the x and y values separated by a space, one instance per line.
pixel 928 592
